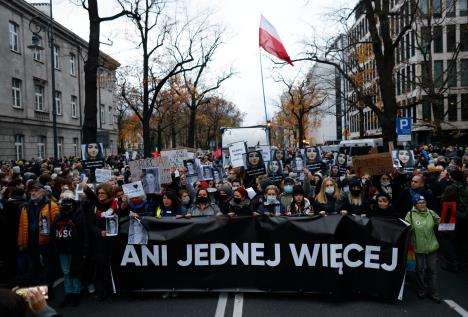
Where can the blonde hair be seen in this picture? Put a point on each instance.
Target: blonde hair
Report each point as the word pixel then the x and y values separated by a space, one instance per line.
pixel 322 197
pixel 272 187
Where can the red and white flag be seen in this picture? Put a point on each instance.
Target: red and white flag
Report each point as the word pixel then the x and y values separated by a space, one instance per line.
pixel 271 42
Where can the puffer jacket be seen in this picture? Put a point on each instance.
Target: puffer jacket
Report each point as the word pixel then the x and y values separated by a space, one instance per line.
pixel 422 224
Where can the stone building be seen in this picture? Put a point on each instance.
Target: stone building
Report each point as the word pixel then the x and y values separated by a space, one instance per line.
pixel 26 116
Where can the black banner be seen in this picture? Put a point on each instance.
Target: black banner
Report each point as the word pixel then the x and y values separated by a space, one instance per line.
pixel 335 254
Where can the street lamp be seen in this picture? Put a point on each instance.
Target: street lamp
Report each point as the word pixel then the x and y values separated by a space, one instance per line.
pixel 36 29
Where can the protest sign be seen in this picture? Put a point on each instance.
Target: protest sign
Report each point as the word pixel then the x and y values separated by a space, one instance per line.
pixel 176 157
pixel 275 170
pixel 403 160
pixel 373 164
pixel 136 168
pixel 102 175
pixel 92 155
pixel 448 217
pixel 337 255
pixel 253 162
pixel 151 180
pixel 112 225
pixel 137 233
pixel 266 152
pixel 134 189
pixel 207 172
pixel 236 152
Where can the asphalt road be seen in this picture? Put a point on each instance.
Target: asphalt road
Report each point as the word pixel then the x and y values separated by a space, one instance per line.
pixel 453 289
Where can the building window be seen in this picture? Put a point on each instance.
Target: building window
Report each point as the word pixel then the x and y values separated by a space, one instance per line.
pixel 111 116
pixel 39 97
pixel 464 36
pixel 426 110
pixel 450 8
pixel 60 147
pixel 37 53
pixel 437 39
pixel 438 73
pixel 16 92
pixel 452 108
pixel 424 7
pixel 452 73
pixel 58 102
pixel 72 64
pixel 73 107
pixel 41 146
pixel 75 147
pixel 438 108
pixel 19 146
pixel 103 115
pixel 451 38
pixel 14 30
pixel 437 8
pixel 464 72
pixel 464 107
pixel 56 57
pixel 463 5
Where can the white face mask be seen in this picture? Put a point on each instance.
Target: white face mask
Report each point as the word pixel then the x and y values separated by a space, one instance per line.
pixel 385 183
pixel 329 190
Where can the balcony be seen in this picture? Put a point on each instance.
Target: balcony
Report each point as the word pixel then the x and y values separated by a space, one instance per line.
pixel 42 115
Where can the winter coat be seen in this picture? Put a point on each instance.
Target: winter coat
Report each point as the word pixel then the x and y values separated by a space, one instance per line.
pixel 274 209
pixel 240 209
pixel 332 206
pixel 296 210
pixel 422 224
pixel 210 210
pixel 31 218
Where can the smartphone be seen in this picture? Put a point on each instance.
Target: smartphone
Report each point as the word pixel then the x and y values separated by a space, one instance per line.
pixel 23 292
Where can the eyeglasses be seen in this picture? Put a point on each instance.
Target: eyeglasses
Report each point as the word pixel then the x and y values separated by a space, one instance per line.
pixel 102 193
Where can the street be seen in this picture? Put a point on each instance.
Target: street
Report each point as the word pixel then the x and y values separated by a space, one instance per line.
pixel 453 289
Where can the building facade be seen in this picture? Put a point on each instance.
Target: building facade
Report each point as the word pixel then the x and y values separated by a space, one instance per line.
pixel 431 72
pixel 26 128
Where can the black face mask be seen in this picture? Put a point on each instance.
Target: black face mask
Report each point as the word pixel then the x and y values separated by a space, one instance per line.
pixel 355 192
pixel 222 196
pixel 202 199
pixel 237 200
pixel 66 208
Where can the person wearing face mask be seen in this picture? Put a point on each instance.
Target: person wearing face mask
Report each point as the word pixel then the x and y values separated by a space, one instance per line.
pixel 240 203
pixel 135 207
pixel 423 221
pixel 271 205
pixel 224 196
pixel 383 207
pixel 34 239
pixel 262 183
pixel 355 201
pixel 71 241
pixel 185 199
pixel 329 201
pixel 286 196
pixel 203 206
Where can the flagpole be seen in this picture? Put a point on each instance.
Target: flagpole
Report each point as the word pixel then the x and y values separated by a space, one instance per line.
pixel 264 98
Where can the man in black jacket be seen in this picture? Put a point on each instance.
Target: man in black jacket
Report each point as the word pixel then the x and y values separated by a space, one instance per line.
pixel 404 201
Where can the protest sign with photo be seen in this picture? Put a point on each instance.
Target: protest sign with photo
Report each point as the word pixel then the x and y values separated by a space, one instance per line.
pixel 151 180
pixel 403 160
pixel 92 155
pixel 191 167
pixel 278 154
pixel 134 189
pixel 297 163
pixel 313 156
pixel 112 225
pixel 137 233
pixel 136 168
pixel 236 153
pixel 176 157
pixel 373 164
pixel 275 170
pixel 253 162
pixel 207 172
pixel 102 175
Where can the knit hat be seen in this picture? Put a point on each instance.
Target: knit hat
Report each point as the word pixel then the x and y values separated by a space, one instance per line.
pixel 355 182
pixel 298 190
pixel 319 175
pixel 242 191
pixel 264 183
pixel 417 198
pixel 204 184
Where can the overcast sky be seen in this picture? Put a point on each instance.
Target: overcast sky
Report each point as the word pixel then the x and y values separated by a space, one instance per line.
pixel 294 20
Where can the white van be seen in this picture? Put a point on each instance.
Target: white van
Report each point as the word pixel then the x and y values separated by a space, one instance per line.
pixel 360 146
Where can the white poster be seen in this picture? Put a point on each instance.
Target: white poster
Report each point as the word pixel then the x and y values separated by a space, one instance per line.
pixel 151 180
pixel 137 233
pixel 265 152
pixel 134 189
pixel 176 157
pixel 103 175
pixel 112 226
pixel 236 153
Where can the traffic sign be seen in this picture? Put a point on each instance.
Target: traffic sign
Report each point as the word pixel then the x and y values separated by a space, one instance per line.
pixel 403 125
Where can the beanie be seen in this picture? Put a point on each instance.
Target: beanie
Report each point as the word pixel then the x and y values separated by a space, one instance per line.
pixel 298 190
pixel 264 183
pixel 227 189
pixel 416 197
pixel 16 169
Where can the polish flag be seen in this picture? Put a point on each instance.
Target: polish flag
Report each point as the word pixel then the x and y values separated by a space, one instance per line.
pixel 271 42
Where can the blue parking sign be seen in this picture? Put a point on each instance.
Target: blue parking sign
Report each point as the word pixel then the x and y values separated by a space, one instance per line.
pixel 403 125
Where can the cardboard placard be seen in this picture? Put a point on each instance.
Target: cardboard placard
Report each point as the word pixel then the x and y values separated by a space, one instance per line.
pixel 448 217
pixel 136 168
pixel 176 157
pixel 373 164
pixel 236 153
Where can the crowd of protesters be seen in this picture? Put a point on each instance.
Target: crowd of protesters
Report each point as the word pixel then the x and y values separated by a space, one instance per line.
pixel 48 225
